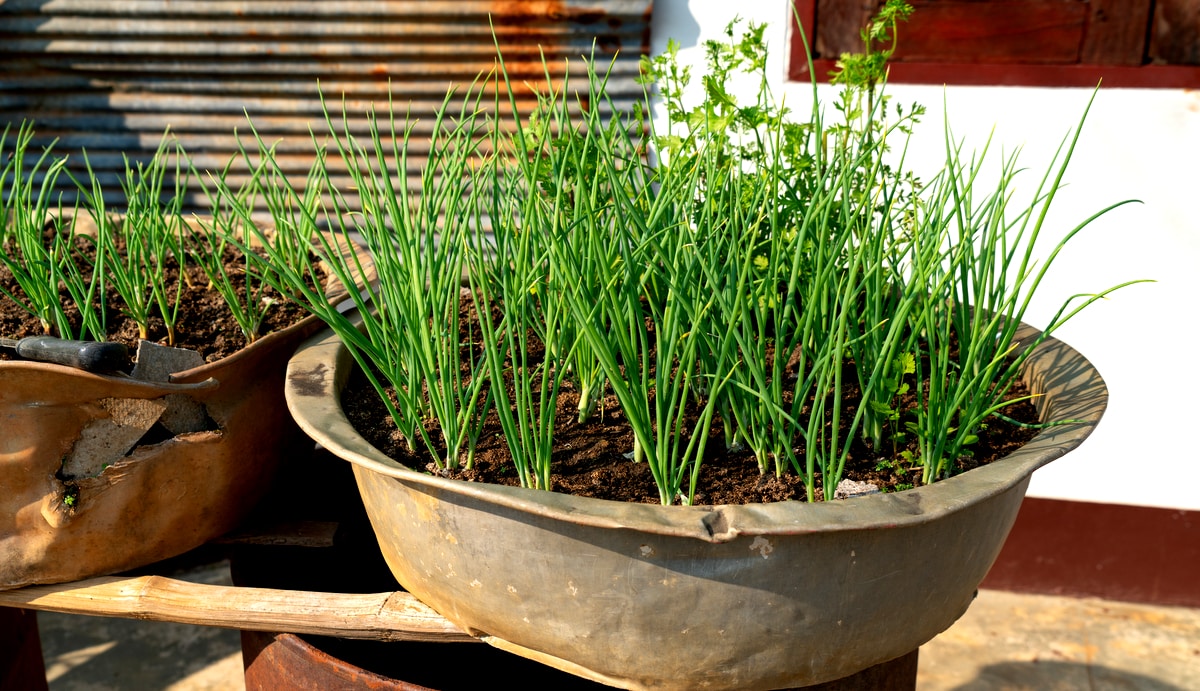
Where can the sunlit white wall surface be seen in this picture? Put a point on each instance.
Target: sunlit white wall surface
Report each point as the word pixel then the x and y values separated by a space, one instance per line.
pixel 1137 144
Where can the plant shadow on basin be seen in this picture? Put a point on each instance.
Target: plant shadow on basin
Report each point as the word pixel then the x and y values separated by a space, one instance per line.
pixel 737 597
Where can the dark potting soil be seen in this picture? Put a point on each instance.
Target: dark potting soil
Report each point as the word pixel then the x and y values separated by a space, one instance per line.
pixel 205 323
pixel 590 458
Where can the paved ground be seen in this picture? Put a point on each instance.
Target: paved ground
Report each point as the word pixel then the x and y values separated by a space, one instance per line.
pixel 109 654
pixel 1005 641
pixel 1040 643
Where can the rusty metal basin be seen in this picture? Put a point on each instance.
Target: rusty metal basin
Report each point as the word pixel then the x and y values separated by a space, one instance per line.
pixel 86 489
pixel 160 498
pixel 720 597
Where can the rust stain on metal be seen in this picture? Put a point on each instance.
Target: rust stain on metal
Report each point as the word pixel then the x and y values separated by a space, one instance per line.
pixel 527 12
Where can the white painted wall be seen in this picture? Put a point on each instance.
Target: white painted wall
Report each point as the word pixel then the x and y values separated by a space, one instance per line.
pixel 1137 143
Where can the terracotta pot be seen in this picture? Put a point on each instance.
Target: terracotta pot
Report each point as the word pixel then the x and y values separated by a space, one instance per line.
pixel 725 597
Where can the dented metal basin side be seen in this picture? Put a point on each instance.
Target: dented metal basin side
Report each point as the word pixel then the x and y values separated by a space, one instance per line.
pixel 645 610
pixel 729 597
pixel 90 483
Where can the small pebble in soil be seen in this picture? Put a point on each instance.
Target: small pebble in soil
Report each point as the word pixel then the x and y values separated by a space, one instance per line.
pixel 848 489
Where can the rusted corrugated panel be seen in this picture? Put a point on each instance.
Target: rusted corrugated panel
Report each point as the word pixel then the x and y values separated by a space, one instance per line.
pixel 110 76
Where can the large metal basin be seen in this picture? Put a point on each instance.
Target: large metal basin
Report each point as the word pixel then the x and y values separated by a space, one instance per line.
pixel 725 597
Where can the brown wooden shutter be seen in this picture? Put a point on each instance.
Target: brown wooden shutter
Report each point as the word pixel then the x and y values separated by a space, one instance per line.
pixel 1037 42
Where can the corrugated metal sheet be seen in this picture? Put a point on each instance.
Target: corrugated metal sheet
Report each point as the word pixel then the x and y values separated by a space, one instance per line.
pixel 110 76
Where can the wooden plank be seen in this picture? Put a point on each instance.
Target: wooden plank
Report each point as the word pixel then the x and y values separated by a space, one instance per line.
pixel 839 25
pixel 799 38
pixel 967 31
pixel 1177 22
pixel 1116 32
pixel 1175 34
pixel 998 32
pixel 396 616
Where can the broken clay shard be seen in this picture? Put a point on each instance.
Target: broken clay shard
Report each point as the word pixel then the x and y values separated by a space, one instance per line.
pixel 158 362
pixel 185 414
pixel 105 440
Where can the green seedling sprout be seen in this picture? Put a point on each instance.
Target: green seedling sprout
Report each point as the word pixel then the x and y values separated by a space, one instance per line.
pixel 141 251
pixel 513 270
pixel 230 229
pixel 139 248
pixel 41 263
pixel 624 264
pixel 410 343
pixel 987 286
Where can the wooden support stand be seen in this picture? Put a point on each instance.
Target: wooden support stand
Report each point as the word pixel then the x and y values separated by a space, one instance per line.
pixel 394 616
pixel 287 661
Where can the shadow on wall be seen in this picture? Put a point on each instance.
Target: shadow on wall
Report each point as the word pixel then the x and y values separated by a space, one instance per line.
pixel 673 19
